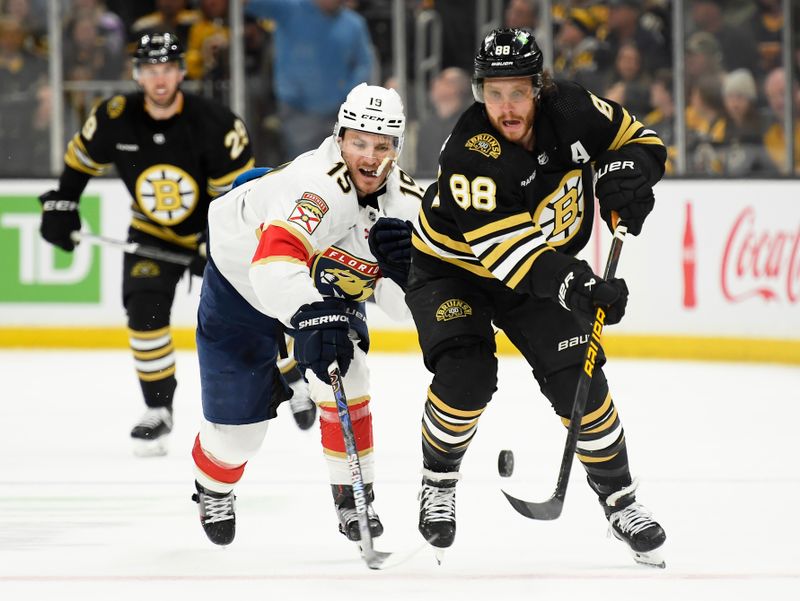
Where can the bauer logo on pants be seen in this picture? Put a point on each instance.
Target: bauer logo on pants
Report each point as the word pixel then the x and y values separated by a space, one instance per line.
pixel 453 309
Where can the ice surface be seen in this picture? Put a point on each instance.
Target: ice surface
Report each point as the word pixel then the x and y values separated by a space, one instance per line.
pixel 714 446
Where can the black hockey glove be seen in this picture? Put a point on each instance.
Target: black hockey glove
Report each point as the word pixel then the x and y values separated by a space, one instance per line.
pixel 390 242
pixel 321 335
pixel 59 219
pixel 622 186
pixel 580 291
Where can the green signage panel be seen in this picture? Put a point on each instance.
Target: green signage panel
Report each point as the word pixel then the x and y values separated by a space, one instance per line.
pixel 34 271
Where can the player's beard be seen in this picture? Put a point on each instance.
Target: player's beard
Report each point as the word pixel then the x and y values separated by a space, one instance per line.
pixel 165 104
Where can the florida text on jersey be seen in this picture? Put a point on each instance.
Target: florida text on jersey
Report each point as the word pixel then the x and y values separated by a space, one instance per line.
pixel 496 207
pixel 171 167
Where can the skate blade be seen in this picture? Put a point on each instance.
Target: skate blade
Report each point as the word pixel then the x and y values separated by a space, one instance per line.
pixel 150 448
pixel 651 559
pixel 438 553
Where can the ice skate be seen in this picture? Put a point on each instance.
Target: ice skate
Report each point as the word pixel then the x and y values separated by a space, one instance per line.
pixel 437 509
pixel 348 516
pixel 151 435
pixel 217 514
pixel 304 409
pixel 633 524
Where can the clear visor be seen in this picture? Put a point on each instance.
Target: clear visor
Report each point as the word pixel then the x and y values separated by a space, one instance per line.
pixel 378 147
pixel 495 94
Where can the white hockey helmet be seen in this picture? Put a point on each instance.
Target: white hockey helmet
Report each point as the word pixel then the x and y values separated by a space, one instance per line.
pixel 375 110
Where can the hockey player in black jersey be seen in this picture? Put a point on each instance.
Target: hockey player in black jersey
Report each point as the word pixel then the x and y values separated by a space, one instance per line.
pixel 495 243
pixel 174 151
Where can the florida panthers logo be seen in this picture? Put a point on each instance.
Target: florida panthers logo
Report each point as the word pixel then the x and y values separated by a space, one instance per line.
pixel 340 274
pixel 167 194
pixel 560 214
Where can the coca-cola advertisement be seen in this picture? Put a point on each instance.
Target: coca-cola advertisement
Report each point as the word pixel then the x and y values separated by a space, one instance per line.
pixel 715 259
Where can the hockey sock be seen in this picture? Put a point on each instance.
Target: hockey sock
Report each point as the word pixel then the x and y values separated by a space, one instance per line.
pixel 601 445
pixel 154 358
pixel 212 474
pixel 333 442
pixel 446 433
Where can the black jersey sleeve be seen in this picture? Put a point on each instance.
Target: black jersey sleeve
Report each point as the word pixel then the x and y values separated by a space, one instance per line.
pixel 589 126
pixel 228 151
pixel 89 152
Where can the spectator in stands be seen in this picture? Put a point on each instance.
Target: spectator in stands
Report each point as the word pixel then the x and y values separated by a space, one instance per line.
pixel 110 28
pixel 743 150
pixel 22 74
pixel 450 93
pixel 32 18
pixel 87 54
pixel 458 31
pixel 768 26
pixel 523 14
pixel 737 43
pixel 662 117
pixel 624 25
pixel 577 50
pixel 705 126
pixel 207 46
pixel 322 51
pixel 703 57
pixel 170 15
pixel 774 138
pixel 628 84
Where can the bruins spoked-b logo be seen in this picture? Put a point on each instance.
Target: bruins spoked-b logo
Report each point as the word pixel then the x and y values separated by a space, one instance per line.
pixel 453 309
pixel 167 194
pixel 486 144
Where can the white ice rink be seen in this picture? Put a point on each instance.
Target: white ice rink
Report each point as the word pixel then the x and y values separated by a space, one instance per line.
pixel 714 445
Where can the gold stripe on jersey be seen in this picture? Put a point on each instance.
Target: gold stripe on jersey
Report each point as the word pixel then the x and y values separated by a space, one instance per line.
pixel 150 334
pixel 293 231
pixel 162 233
pixel 633 130
pixel 508 247
pixel 476 269
pixel 441 405
pixel 220 185
pixel 78 158
pixel 154 377
pixel 156 354
pixel 278 259
pixel 452 245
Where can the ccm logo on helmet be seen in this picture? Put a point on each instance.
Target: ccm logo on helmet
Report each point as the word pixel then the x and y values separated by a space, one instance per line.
pixel 372 117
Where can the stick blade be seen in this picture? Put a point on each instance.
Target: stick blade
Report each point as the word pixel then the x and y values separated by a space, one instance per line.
pixel 548 510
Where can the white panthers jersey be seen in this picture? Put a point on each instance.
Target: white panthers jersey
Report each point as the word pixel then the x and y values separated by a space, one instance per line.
pixel 299 234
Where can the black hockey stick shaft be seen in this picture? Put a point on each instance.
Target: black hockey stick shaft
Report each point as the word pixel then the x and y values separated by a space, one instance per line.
pixel 374 559
pixel 551 508
pixel 134 248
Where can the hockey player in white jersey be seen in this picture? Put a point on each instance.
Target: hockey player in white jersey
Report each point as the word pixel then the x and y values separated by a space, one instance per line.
pixel 302 248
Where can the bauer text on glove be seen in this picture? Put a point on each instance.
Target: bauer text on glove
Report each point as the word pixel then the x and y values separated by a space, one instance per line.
pixel 623 187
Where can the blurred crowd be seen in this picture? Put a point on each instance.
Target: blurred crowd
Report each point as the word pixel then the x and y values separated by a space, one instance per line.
pixel 302 56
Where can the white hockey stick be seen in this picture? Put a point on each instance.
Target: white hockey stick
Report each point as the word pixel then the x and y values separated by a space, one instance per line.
pixel 134 248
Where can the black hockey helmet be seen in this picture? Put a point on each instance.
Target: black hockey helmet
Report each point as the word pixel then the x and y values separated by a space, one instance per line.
pixel 507 52
pixel 158 47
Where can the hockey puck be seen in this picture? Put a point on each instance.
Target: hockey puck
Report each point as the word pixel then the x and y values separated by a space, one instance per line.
pixel 505 463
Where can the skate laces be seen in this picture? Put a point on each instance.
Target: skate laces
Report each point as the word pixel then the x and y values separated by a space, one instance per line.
pixel 155 416
pixel 438 501
pixel 632 519
pixel 217 509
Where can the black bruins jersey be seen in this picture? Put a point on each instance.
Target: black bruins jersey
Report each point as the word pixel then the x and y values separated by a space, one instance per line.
pixel 496 208
pixel 171 167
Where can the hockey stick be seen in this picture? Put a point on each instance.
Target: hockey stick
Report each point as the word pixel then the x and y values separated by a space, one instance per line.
pixel 551 508
pixel 134 248
pixel 374 559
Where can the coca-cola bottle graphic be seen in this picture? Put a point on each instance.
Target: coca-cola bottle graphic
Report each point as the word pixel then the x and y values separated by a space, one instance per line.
pixel 689 283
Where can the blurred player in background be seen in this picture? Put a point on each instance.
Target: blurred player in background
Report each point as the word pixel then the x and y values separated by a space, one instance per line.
pixel 174 151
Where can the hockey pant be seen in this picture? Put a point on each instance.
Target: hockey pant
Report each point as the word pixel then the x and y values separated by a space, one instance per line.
pixel 454 320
